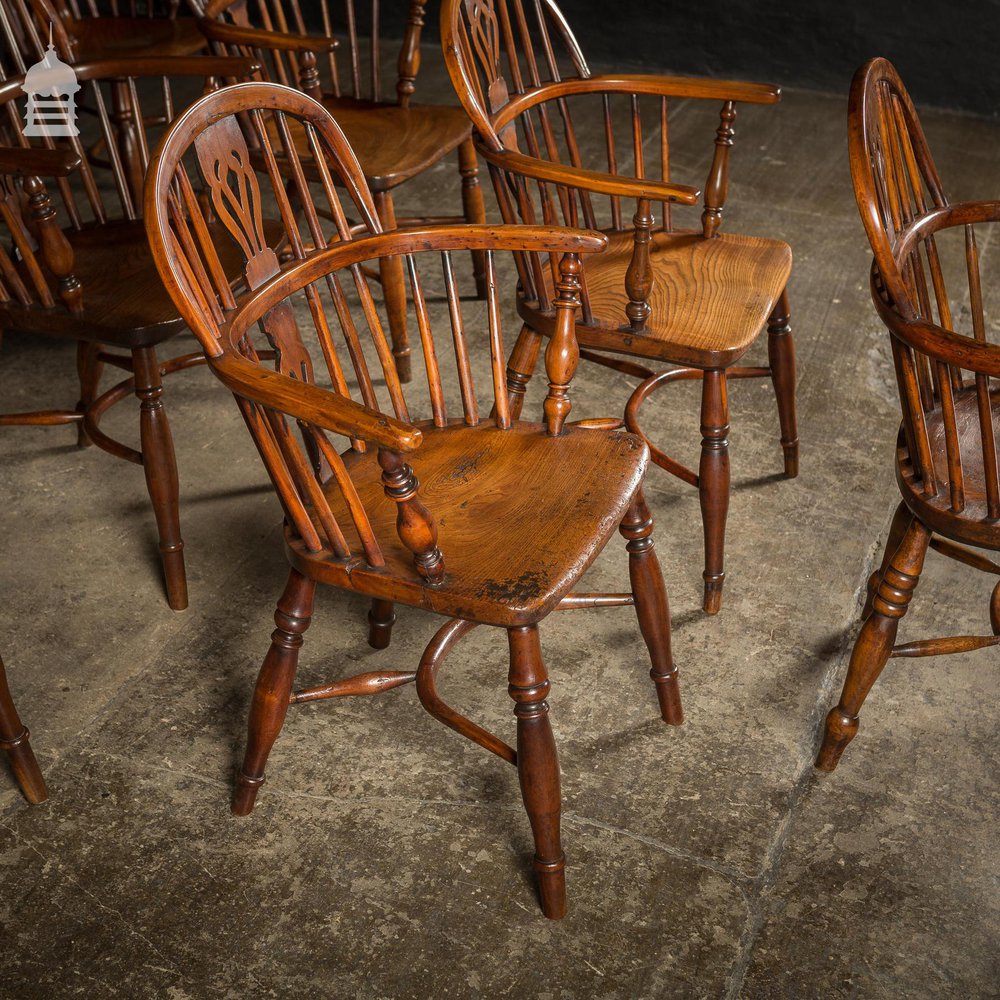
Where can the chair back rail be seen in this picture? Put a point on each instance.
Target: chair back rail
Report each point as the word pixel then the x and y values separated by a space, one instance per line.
pixel 305 287
pixel 355 66
pixel 927 263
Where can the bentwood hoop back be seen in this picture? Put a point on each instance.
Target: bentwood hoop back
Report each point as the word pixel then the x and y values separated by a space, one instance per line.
pixel 946 454
pixel 696 298
pixel 506 516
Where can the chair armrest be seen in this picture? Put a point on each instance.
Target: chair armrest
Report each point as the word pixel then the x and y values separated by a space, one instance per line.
pixel 37 162
pixel 590 180
pixel 258 38
pixel 141 67
pixel 310 403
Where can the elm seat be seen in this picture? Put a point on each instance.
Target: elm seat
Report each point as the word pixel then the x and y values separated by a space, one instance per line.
pixel 476 476
pixel 110 37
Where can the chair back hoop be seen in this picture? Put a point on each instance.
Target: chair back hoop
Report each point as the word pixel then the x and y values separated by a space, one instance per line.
pixel 923 247
pixel 355 65
pixel 305 293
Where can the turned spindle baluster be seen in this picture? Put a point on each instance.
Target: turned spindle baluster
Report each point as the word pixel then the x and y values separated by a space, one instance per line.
pixel 639 275
pixel 408 64
pixel 563 353
pixel 56 250
pixel 414 522
pixel 718 177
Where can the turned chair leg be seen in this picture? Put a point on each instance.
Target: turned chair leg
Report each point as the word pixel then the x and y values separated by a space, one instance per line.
pixel 473 208
pixel 394 290
pixel 538 765
pixel 900 523
pixel 713 482
pixel 875 641
pixel 781 357
pixel 89 370
pixel 381 618
pixel 14 739
pixel 521 367
pixel 160 466
pixel 651 606
pixel 274 687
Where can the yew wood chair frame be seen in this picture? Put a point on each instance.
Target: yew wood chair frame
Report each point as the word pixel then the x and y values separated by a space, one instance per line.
pixel 426 133
pixel 62 222
pixel 946 452
pixel 518 71
pixel 14 739
pixel 510 513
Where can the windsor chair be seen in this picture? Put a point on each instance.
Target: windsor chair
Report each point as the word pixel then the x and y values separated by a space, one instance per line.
pixel 75 264
pixel 85 30
pixel 14 739
pixel 394 137
pixel 509 514
pixel 946 453
pixel 694 298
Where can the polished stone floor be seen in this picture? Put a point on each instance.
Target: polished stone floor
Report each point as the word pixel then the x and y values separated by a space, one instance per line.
pixel 387 858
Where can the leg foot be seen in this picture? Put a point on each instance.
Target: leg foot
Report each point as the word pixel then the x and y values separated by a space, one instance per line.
pixel 651 607
pixel 394 291
pixel 160 467
pixel 537 765
pixel 380 621
pixel 713 483
pixel 473 208
pixel 874 643
pixel 274 688
pixel 14 739
pixel 781 356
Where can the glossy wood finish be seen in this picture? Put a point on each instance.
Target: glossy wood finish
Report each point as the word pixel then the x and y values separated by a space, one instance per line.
pixel 465 510
pixel 394 137
pixel 14 740
pixel 659 292
pixel 77 265
pixel 946 457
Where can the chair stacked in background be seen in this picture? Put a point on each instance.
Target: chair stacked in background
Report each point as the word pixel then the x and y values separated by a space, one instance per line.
pixel 76 264
pixel 946 455
pixel 695 298
pixel 507 514
pixel 395 137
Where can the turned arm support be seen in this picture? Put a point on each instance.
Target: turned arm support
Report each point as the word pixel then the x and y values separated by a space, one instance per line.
pixel 408 64
pixel 563 352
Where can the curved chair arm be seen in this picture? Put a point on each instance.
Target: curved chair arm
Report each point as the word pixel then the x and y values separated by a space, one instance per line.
pixel 259 38
pixel 313 404
pixel 30 162
pixel 597 181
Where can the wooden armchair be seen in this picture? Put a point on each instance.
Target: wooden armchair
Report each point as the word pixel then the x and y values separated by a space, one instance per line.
pixel 507 515
pixel 75 264
pixel 946 452
pixel 394 137
pixel 14 739
pixel 692 297
pixel 85 30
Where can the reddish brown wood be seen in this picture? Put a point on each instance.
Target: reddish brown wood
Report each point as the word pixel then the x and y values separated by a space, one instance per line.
pixel 713 482
pixel 651 607
pixel 273 692
pixel 75 262
pixel 14 739
pixel 692 298
pixel 946 456
pixel 537 765
pixel 489 520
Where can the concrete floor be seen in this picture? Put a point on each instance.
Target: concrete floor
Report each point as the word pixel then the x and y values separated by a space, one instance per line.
pixel 387 857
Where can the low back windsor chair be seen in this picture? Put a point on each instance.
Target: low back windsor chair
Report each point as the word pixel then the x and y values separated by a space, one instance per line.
pixel 507 515
pixel 946 452
pixel 394 137
pixel 76 264
pixel 692 297
pixel 14 739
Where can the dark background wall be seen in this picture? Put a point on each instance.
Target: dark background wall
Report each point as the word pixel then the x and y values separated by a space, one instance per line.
pixel 948 51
